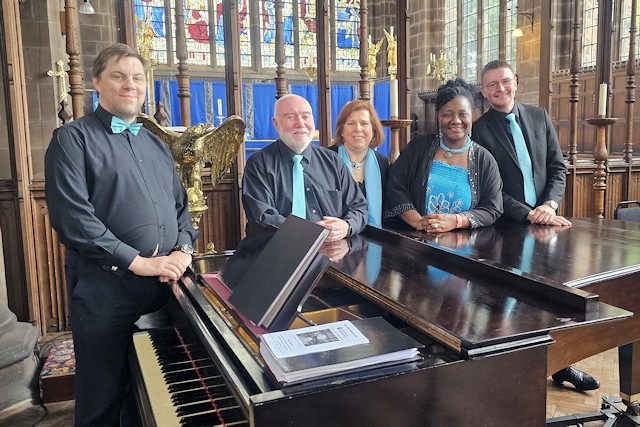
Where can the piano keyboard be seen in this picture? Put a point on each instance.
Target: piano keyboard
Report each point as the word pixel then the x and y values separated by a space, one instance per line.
pixel 182 383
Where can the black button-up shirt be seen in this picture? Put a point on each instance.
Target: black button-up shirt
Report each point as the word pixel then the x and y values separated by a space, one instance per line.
pixel 114 196
pixel 330 190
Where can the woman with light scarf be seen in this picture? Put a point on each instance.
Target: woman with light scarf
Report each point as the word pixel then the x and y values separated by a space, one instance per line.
pixel 358 132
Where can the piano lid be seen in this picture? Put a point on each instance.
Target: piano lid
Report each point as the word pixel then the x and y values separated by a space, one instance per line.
pixel 459 301
pixel 591 250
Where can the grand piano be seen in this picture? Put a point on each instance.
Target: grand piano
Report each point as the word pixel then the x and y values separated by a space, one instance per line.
pixel 498 309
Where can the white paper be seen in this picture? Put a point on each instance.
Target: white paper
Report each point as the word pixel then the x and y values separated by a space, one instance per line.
pixel 314 339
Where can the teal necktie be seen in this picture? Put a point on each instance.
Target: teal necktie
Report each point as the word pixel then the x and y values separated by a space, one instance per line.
pixel 118 126
pixel 298 204
pixel 524 160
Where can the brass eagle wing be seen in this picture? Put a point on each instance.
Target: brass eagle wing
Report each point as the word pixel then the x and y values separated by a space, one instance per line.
pixel 221 146
pixel 170 138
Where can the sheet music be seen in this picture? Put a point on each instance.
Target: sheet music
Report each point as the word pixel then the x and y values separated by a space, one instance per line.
pixel 314 339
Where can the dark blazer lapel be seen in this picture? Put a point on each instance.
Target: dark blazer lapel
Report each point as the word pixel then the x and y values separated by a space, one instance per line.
pixel 537 148
pixel 527 126
pixel 499 133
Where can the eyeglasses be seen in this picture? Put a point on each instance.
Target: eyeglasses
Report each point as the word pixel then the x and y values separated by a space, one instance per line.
pixel 506 83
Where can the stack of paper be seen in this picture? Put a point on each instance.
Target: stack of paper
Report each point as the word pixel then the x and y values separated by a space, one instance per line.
pixel 298 355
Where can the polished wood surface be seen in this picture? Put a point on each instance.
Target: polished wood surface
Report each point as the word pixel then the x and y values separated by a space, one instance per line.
pixel 595 255
pixel 427 391
pixel 458 296
pixel 561 400
pixel 496 321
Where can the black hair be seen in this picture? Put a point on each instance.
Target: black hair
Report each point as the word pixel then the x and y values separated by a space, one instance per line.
pixel 453 88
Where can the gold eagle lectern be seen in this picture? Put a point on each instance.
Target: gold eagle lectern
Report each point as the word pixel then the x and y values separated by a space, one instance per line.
pixel 197 146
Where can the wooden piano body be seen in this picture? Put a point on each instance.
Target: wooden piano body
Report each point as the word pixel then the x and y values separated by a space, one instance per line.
pixel 495 322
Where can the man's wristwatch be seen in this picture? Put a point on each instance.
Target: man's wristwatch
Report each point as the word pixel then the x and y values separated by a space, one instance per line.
pixel 186 248
pixel 553 204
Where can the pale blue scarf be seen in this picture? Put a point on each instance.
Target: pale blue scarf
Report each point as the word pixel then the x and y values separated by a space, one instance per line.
pixel 372 183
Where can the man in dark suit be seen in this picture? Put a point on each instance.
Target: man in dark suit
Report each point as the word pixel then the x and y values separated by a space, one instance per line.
pixel 524 143
pixel 492 130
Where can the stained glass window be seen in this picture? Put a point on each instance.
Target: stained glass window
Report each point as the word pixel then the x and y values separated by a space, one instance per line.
pixel 198 41
pixel 204 24
pixel 308 35
pixel 347 39
pixel 150 28
pixel 268 33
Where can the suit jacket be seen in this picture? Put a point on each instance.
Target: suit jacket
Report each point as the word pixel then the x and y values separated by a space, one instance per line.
pixel 549 170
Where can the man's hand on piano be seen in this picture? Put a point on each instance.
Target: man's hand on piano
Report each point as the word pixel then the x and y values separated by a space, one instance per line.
pixel 546 215
pixel 170 267
pixel 335 251
pixel 339 227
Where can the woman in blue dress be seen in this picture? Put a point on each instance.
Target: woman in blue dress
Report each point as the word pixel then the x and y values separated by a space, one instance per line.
pixel 447 182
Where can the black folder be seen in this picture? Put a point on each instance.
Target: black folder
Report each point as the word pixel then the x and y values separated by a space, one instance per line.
pixel 284 271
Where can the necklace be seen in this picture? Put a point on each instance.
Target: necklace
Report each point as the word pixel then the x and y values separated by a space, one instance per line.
pixel 449 152
pixel 358 165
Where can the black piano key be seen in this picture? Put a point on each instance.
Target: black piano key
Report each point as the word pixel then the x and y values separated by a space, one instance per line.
pixel 222 405
pixel 190 374
pixel 195 408
pixel 190 385
pixel 231 416
pixel 179 365
pixel 199 394
pixel 179 354
pixel 193 380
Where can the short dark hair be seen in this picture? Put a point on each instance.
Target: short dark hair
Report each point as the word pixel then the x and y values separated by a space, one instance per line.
pixel 453 88
pixel 357 105
pixel 118 50
pixel 493 65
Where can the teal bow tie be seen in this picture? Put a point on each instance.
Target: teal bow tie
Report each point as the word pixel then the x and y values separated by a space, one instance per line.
pixel 118 126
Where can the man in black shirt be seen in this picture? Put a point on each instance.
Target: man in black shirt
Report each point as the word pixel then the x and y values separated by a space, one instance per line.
pixel 118 206
pixel 332 197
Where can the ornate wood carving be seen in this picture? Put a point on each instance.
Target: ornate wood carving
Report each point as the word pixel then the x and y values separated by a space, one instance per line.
pixel 574 86
pixel 281 80
pixel 364 52
pixel 631 85
pixel 324 81
pixel 233 78
pixel 76 74
pixel 183 70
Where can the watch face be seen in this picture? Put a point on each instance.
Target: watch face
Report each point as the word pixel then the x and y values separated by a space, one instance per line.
pixel 187 249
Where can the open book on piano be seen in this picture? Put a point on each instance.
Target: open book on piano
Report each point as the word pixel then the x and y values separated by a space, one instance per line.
pixel 299 355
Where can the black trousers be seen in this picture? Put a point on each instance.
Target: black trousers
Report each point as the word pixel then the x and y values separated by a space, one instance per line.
pixel 104 308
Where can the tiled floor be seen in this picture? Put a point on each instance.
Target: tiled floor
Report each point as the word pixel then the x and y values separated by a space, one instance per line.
pixel 561 400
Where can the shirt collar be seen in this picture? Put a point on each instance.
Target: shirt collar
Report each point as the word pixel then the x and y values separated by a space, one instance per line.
pixel 503 115
pixel 287 153
pixel 104 117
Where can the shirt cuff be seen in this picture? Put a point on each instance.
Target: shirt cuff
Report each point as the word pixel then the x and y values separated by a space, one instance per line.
pixel 119 262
